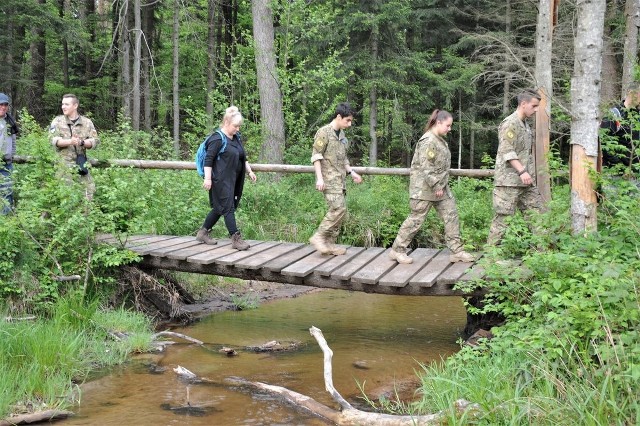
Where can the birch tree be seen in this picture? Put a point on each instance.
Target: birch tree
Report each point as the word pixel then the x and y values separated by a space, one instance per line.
pixel 271 113
pixel 137 56
pixel 585 99
pixel 630 54
pixel 176 77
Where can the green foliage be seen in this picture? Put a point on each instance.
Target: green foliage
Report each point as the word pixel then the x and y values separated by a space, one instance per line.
pixel 244 302
pixel 40 360
pixel 568 352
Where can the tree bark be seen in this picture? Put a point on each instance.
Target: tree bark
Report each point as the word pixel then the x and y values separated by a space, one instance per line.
pixel 610 91
pixel 176 77
pixel 64 6
pixel 585 99
pixel 38 52
pixel 137 55
pixel 506 87
pixel 271 113
pixel 373 100
pixel 630 54
pixel 211 58
pixel 126 58
pixel 543 74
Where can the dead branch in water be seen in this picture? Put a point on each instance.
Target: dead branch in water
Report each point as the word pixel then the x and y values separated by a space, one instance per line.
pixel 41 416
pixel 347 416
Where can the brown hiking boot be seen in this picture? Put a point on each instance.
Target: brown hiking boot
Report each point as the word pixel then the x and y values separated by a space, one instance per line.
pixel 238 243
pixel 319 244
pixel 203 237
pixel 462 256
pixel 400 257
pixel 335 250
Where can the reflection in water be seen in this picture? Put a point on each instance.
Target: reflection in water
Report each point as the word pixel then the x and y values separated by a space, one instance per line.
pixel 376 340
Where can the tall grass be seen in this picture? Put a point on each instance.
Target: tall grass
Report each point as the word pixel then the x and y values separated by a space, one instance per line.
pixel 41 361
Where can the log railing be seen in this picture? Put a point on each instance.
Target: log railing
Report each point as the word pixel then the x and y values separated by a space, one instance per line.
pixel 274 168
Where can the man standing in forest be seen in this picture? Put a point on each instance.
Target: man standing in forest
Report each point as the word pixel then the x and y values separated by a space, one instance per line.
pixel 8 133
pixel 622 123
pixel 515 168
pixel 73 134
pixel 329 158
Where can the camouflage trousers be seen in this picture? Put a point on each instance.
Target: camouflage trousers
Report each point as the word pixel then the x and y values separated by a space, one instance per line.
pixel 70 176
pixel 447 211
pixel 505 201
pixel 330 225
pixel 6 187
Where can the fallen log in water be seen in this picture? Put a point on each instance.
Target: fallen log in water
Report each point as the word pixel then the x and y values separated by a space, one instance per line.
pixel 40 416
pixel 347 416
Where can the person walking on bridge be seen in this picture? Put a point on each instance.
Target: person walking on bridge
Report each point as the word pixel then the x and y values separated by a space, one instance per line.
pixel 225 165
pixel 429 187
pixel 331 165
pixel 515 173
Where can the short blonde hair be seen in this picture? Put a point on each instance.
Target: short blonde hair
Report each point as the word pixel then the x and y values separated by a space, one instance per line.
pixel 232 115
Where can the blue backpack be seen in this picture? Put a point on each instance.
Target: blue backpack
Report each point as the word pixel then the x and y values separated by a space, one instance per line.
pixel 201 153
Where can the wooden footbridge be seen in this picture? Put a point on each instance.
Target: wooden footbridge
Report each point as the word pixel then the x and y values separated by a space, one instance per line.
pixel 361 269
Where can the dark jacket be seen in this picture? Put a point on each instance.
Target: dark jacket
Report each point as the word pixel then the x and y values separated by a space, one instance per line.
pixel 228 170
pixel 617 123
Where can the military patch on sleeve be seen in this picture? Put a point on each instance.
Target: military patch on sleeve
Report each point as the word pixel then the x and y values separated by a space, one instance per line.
pixel 431 154
pixel 510 134
pixel 52 129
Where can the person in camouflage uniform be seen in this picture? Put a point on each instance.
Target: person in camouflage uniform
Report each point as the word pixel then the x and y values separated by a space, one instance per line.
pixel 429 187
pixel 515 175
pixel 329 158
pixel 8 135
pixel 72 134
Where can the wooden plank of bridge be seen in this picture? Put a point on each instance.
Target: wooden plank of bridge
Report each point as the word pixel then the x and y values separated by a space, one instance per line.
pixel 337 261
pixel 375 269
pixel 169 242
pixel 233 258
pixel 306 265
pixel 362 259
pixel 401 274
pixel 142 246
pixel 256 261
pixel 182 254
pixel 111 238
pixel 279 263
pixel 476 272
pixel 428 275
pixel 162 252
pixel 211 256
pixel 454 273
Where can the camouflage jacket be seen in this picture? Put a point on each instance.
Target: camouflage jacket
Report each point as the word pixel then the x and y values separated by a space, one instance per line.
pixel 331 151
pixel 515 141
pixel 63 128
pixel 430 169
pixel 7 141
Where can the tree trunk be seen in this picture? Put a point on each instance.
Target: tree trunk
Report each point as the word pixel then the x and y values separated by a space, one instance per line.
pixel 373 100
pixel 38 50
pixel 126 58
pixel 630 58
pixel 137 55
pixel 610 91
pixel 211 59
pixel 506 89
pixel 176 77
pixel 543 74
pixel 64 6
pixel 585 99
pixel 271 113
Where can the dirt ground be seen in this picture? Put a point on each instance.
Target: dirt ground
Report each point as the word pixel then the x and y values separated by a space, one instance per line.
pixel 217 300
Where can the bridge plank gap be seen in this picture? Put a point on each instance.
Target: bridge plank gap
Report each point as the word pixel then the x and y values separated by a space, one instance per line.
pixel 379 266
pixel 362 259
pixel 428 275
pixel 259 259
pixel 256 247
pixel 454 272
pixel 401 274
pixel 306 265
pixel 337 261
pixel 195 250
pixel 281 262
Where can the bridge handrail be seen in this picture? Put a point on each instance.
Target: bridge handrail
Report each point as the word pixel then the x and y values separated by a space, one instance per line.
pixel 276 168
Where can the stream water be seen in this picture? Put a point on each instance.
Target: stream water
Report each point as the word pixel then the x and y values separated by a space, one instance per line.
pixel 377 341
